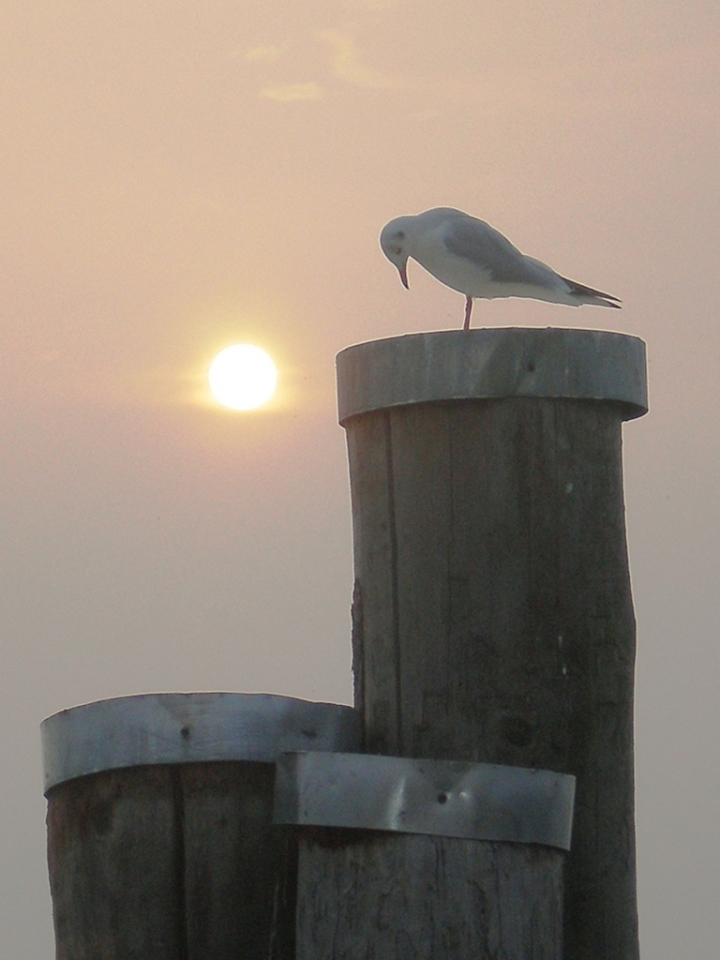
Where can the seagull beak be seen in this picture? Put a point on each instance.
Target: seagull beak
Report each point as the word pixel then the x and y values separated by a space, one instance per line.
pixel 403 275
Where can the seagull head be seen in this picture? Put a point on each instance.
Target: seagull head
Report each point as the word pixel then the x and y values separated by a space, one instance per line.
pixel 394 243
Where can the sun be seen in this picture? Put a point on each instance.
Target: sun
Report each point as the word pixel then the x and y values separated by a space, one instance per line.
pixel 242 377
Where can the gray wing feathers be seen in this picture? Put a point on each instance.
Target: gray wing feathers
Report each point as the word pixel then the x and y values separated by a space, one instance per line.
pixel 480 243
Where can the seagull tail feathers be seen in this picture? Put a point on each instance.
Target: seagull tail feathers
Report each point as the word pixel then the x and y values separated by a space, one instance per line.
pixel 585 294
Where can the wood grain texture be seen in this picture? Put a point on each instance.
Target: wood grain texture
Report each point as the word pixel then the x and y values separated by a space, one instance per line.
pixel 498 564
pixel 235 864
pixel 373 503
pixel 116 893
pixel 401 897
pixel 173 862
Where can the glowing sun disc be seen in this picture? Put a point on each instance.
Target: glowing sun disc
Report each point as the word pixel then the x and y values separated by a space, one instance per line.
pixel 242 377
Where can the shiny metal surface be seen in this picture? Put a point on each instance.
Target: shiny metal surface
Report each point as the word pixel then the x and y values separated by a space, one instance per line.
pixel 491 364
pixel 477 801
pixel 189 727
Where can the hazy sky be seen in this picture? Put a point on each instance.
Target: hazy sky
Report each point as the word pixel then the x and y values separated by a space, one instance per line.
pixel 179 176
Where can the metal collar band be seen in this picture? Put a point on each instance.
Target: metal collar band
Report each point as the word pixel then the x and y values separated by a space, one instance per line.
pixel 493 363
pixel 189 727
pixel 476 801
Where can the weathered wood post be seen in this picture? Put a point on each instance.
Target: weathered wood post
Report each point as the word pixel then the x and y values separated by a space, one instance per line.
pixel 403 859
pixel 492 614
pixel 160 836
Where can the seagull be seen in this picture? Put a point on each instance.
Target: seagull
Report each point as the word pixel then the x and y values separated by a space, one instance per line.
pixel 472 257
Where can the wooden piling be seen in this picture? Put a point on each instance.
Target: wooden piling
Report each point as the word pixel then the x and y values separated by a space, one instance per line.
pixel 426 898
pixel 492 615
pixel 429 860
pixel 160 836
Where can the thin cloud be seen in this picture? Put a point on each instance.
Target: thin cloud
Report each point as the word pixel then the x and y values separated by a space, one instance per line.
pixel 372 4
pixel 347 66
pixel 268 54
pixel 294 91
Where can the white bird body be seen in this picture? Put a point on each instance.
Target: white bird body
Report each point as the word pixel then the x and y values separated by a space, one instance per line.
pixel 473 258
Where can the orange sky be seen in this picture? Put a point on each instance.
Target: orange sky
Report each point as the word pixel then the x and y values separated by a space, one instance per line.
pixel 175 177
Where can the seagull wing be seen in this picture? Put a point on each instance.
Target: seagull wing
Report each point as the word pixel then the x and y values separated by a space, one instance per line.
pixel 487 248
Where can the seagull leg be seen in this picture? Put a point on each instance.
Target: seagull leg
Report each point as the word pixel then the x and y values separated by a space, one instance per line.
pixel 468 311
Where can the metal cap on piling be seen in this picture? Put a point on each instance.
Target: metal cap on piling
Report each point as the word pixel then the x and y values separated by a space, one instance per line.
pixel 493 363
pixel 160 728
